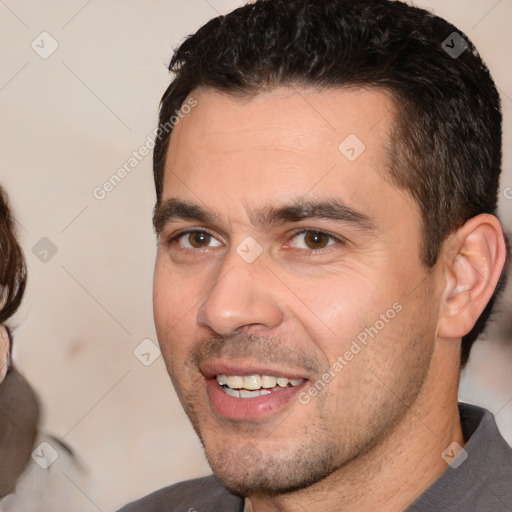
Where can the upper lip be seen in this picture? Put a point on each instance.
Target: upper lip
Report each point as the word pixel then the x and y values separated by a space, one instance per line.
pixel 242 368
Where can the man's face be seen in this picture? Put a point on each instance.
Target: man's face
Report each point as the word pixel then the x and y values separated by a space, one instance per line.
pixel 295 317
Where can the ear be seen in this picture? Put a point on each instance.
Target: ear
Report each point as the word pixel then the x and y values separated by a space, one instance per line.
pixel 473 258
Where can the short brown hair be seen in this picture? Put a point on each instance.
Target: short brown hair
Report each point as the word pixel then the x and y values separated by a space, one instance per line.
pixel 445 149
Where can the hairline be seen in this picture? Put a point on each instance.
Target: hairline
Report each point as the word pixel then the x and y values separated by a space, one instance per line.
pixel 394 135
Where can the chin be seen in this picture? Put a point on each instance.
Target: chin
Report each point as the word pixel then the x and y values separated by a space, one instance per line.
pixel 246 471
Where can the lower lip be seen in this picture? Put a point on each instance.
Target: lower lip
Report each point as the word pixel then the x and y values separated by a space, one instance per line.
pixel 249 408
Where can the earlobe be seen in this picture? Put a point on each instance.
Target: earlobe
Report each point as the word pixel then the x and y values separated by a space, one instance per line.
pixel 471 275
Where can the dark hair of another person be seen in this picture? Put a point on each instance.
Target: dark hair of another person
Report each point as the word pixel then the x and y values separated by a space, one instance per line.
pixel 13 274
pixel 445 145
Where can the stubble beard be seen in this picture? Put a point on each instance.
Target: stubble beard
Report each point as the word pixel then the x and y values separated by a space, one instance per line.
pixel 249 463
pixel 303 458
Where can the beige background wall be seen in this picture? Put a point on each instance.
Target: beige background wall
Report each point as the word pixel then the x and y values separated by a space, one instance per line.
pixel 68 122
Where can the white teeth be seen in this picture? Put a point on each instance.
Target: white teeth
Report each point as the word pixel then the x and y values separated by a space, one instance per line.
pixel 244 393
pixel 282 381
pixel 252 382
pixel 235 382
pixel 250 386
pixel 268 382
pixel 231 392
pixel 222 379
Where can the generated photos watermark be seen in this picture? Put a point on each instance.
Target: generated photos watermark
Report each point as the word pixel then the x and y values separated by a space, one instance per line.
pixel 101 191
pixel 357 345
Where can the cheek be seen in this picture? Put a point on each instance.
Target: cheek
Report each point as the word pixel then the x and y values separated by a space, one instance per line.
pixel 174 313
pixel 174 293
pixel 337 308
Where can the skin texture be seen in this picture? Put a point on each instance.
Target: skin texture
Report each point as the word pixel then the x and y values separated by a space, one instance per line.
pixel 4 352
pixel 372 438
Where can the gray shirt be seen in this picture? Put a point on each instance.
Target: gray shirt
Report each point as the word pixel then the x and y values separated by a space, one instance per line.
pixel 482 483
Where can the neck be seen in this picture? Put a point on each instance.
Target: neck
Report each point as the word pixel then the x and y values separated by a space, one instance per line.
pixel 399 468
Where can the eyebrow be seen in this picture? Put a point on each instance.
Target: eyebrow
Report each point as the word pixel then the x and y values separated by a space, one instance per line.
pixel 328 209
pixel 176 209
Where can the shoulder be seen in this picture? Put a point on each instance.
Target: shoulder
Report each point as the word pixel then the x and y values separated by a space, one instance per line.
pixel 199 495
pixel 480 477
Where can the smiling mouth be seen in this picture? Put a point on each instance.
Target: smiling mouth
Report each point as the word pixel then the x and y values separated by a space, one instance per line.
pixel 252 386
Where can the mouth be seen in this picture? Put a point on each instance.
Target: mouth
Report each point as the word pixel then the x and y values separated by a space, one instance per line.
pixel 242 393
pixel 252 386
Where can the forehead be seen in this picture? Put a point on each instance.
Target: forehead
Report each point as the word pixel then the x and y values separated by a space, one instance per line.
pixel 305 119
pixel 283 143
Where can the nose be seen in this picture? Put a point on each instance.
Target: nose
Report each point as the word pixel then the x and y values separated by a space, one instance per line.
pixel 242 295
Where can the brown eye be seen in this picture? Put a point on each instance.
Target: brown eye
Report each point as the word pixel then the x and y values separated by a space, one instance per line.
pixel 316 240
pixel 197 240
pixel 311 239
